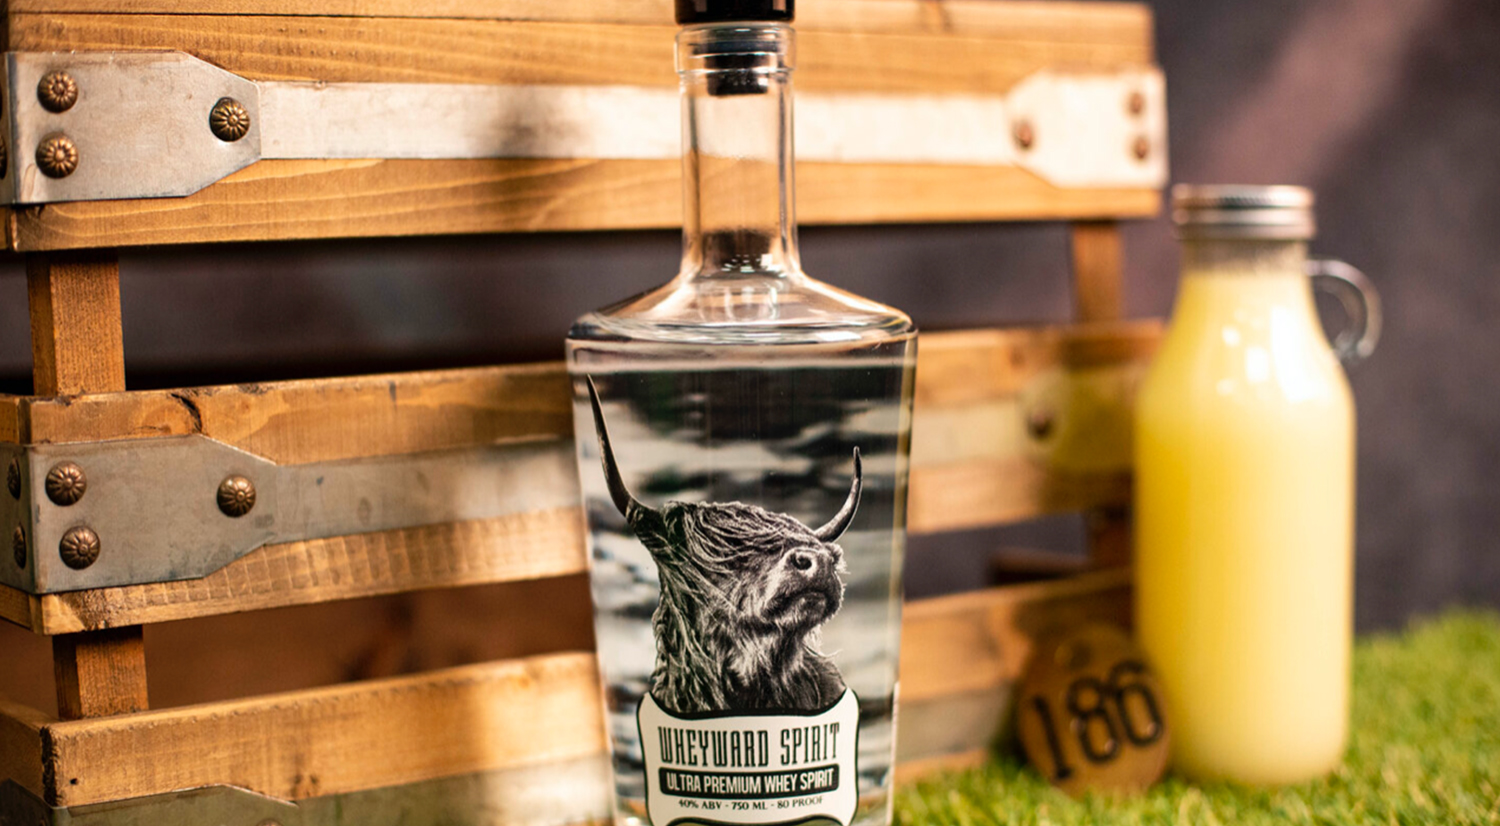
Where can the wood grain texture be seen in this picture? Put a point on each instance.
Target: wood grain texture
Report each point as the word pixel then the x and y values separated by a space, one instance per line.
pixel 10 419
pixel 426 50
pixel 77 348
pixel 504 549
pixel 100 673
pixel 21 746
pixel 973 465
pixel 865 46
pixel 288 200
pixel 76 343
pixel 1109 22
pixel 976 463
pixel 20 608
pixel 497 715
pixel 339 739
pixel 981 641
pixel 320 420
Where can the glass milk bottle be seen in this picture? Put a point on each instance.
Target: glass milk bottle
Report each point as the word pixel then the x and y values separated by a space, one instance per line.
pixel 742 441
pixel 1245 492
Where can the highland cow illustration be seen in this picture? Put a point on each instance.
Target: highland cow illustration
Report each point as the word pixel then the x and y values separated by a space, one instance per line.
pixel 744 592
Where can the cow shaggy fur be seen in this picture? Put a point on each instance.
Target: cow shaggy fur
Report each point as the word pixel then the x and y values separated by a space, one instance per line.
pixel 744 593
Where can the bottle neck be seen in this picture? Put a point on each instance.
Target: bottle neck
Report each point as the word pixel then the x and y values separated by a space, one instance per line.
pixel 737 169
pixel 1236 281
pixel 1217 257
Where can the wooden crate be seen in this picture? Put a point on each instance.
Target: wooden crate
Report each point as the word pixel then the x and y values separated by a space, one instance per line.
pixel 1011 424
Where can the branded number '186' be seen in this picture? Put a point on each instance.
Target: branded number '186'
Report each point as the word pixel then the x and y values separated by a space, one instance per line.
pixel 1093 706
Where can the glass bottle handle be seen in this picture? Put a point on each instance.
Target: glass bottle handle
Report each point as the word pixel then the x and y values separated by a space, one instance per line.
pixel 1359 299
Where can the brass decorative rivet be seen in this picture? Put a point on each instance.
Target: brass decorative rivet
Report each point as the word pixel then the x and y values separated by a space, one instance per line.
pixel 57 91
pixel 66 483
pixel 229 120
pixel 1024 134
pixel 79 548
pixel 1039 424
pixel 18 546
pixel 1141 148
pixel 236 496
pixel 1136 103
pixel 57 156
pixel 13 478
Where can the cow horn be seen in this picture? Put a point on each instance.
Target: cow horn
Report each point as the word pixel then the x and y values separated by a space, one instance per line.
pixel 617 490
pixel 840 521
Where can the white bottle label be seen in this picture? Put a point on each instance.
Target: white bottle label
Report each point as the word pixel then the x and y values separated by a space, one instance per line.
pixel 776 767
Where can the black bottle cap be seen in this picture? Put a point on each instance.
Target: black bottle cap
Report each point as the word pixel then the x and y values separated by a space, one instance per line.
pixel 734 11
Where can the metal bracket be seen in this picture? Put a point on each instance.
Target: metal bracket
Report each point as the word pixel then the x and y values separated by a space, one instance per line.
pixel 87 126
pixel 157 510
pixel 137 125
pixel 552 794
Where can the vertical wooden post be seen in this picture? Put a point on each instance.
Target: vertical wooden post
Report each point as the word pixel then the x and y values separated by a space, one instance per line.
pixel 1098 295
pixel 76 347
pixel 1097 267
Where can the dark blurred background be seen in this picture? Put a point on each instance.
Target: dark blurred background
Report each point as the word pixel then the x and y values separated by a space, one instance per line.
pixel 1389 109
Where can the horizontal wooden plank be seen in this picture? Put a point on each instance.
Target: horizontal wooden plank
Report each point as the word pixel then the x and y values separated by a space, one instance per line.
pixel 505 549
pixel 21 746
pixel 977 459
pixel 966 366
pixel 10 419
pixel 424 50
pixel 981 640
pixel 339 739
pixel 860 45
pixel 21 608
pixel 287 200
pixel 321 420
pixel 974 464
pixel 1109 22
pixel 962 651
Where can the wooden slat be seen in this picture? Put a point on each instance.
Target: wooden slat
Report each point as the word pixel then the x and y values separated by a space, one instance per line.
pixel 76 343
pixel 21 746
pixel 100 673
pixel 498 715
pixel 320 420
pixel 965 47
pixel 21 608
pixel 1098 292
pixel 287 200
pixel 504 549
pixel 345 738
pixel 408 50
pixel 1098 295
pixel 982 640
pixel 10 419
pixel 1030 20
pixel 972 466
pixel 77 348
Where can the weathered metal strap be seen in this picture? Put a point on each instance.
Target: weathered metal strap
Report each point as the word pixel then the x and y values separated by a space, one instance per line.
pixel 554 794
pixel 93 515
pixel 101 125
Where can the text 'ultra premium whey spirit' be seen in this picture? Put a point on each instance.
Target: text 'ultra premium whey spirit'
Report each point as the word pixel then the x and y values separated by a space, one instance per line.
pixel 742 440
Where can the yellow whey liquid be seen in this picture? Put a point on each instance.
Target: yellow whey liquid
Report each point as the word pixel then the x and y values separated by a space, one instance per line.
pixel 1245 463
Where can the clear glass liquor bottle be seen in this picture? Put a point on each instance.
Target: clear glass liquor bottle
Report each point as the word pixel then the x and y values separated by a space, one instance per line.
pixel 742 441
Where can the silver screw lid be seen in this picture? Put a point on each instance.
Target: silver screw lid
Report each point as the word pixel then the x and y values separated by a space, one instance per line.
pixel 1237 212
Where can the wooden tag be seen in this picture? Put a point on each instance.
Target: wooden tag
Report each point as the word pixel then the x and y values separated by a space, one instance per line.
pixel 1090 714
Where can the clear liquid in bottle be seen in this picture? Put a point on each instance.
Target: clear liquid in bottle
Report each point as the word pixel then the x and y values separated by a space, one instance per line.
pixel 742 440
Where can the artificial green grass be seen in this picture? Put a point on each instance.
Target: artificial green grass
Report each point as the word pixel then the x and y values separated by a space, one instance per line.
pixel 1424 749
